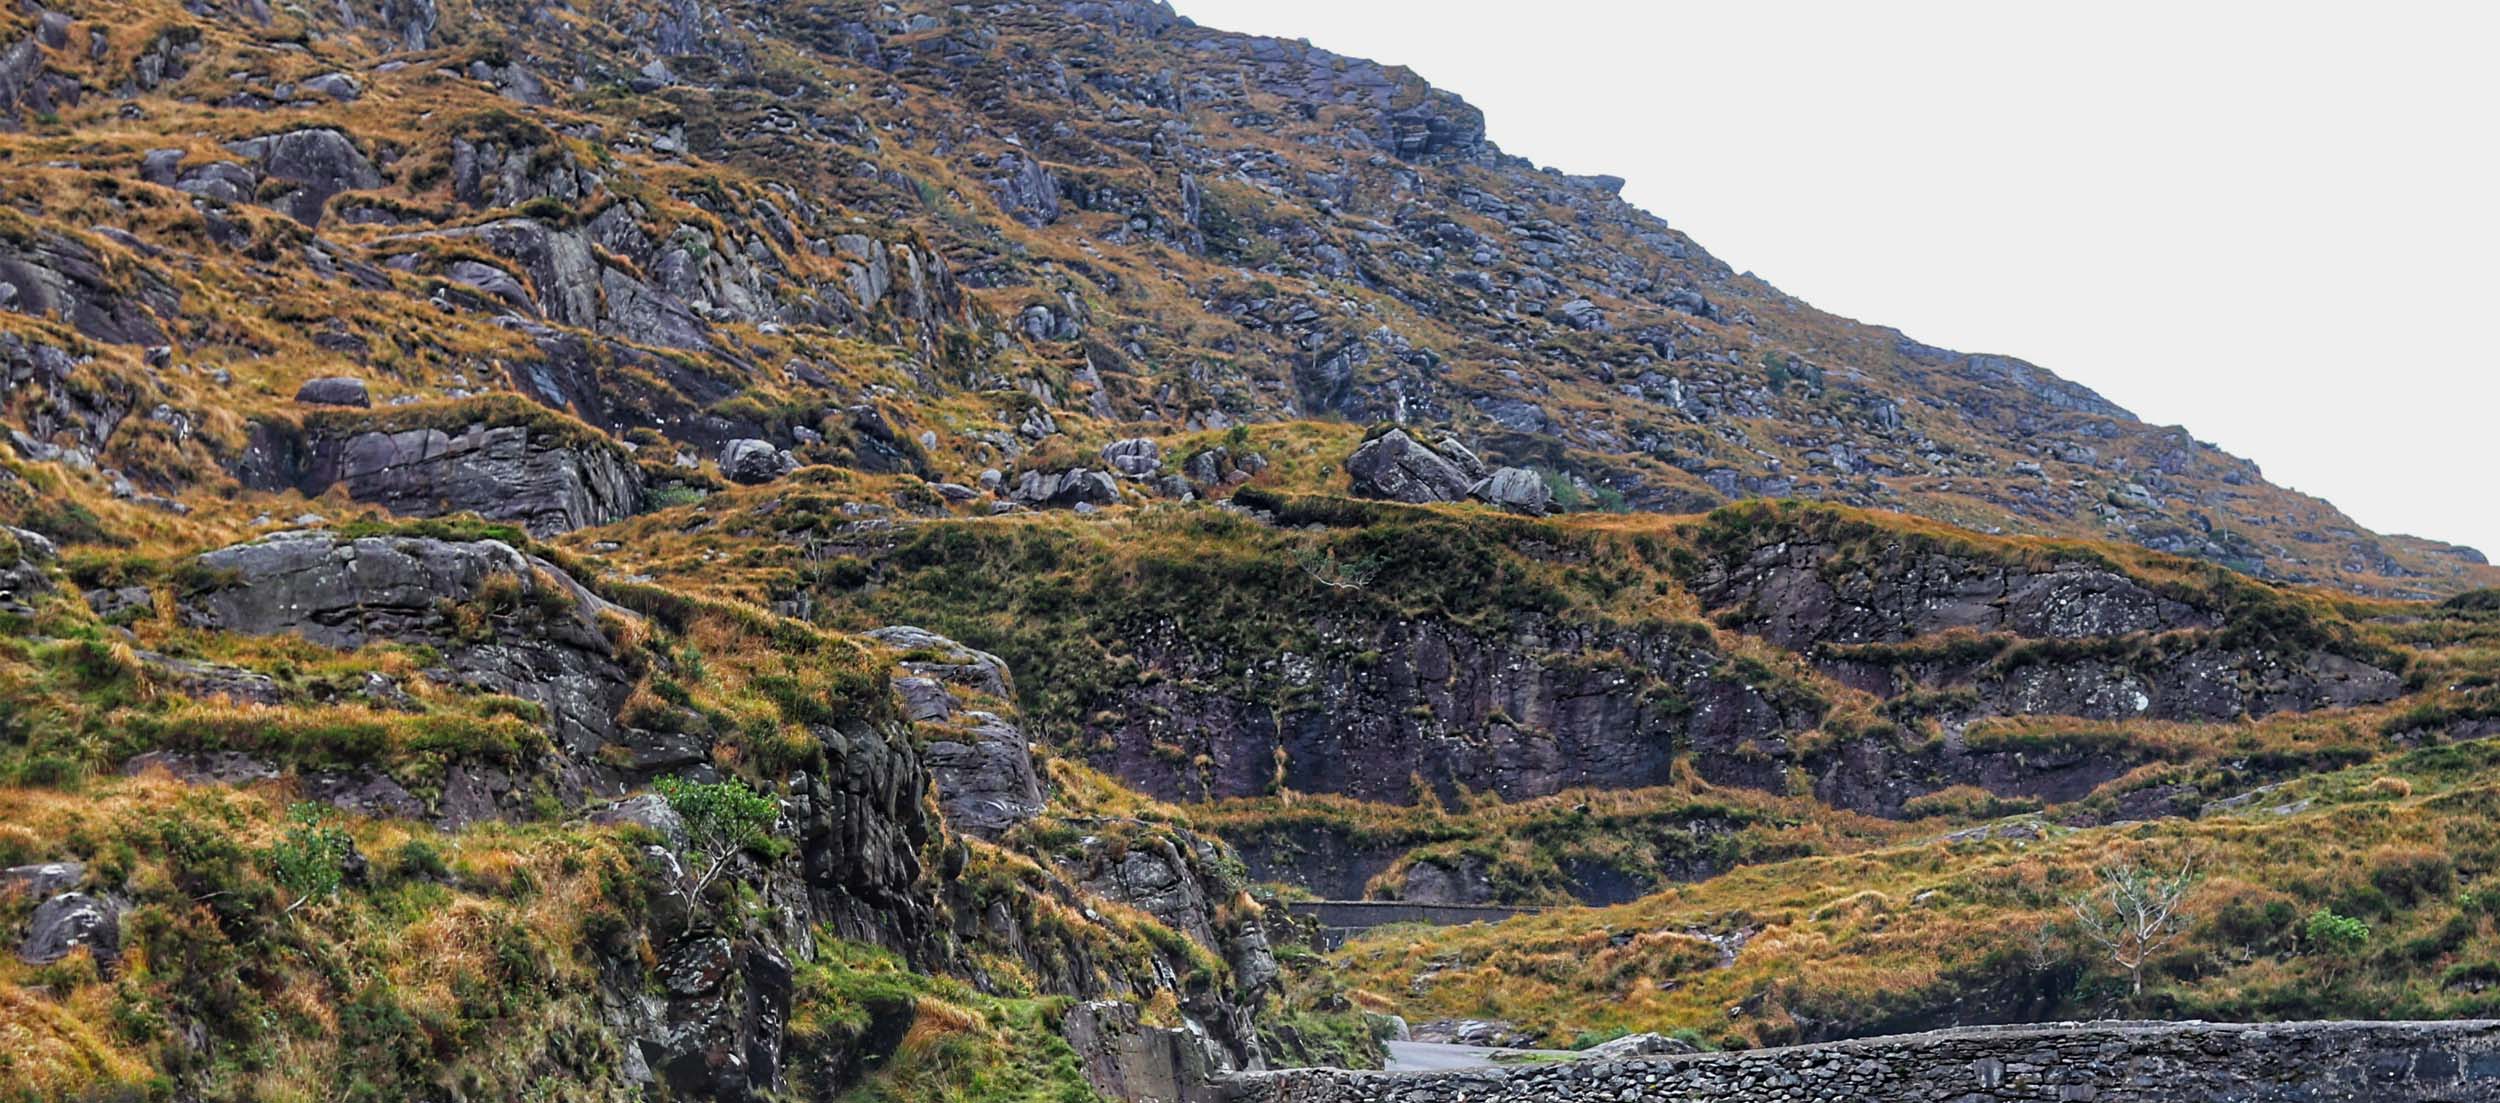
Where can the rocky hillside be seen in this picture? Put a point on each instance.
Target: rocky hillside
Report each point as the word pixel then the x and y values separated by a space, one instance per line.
pixel 941 240
pixel 869 551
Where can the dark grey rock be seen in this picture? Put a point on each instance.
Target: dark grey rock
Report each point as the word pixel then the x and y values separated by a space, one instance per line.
pixel 1065 489
pixel 1395 466
pixel 1025 190
pixel 984 776
pixel 1459 880
pixel 44 880
pixel 753 461
pixel 1582 314
pixel 335 390
pixel 122 601
pixel 924 699
pixel 66 922
pixel 320 161
pixel 337 86
pixel 547 646
pixel 547 484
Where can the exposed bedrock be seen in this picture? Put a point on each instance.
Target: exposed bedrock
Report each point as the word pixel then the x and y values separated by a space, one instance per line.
pixel 1545 707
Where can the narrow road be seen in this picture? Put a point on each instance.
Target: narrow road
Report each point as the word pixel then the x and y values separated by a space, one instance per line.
pixel 1437 1056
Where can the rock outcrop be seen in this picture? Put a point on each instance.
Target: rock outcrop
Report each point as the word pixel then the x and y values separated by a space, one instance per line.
pixel 319 162
pixel 73 921
pixel 1395 466
pixel 24 559
pixel 753 461
pixel 1522 715
pixel 503 622
pixel 2065 636
pixel 504 464
pixel 1071 489
pixel 334 390
pixel 984 775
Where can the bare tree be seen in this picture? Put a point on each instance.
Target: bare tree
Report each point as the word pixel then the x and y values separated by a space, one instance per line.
pixel 2135 912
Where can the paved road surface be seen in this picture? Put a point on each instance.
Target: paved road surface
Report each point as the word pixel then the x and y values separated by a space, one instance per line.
pixel 1431 1056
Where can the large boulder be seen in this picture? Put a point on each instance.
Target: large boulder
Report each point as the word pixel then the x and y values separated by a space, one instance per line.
pixel 66 922
pixel 334 390
pixel 752 461
pixel 321 163
pixel 1399 468
pixel 1209 468
pixel 1065 489
pixel 1516 489
pixel 1134 458
pixel 547 482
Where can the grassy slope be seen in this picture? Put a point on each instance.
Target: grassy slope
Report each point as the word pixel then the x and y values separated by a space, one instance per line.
pixel 1922 932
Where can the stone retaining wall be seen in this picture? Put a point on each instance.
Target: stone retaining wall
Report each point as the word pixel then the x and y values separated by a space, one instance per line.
pixel 2111 1062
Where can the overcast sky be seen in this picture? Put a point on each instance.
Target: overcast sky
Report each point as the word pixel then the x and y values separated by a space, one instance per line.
pixel 2277 224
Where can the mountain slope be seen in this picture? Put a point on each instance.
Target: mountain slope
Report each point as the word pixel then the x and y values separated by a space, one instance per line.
pixel 867 550
pixel 991 226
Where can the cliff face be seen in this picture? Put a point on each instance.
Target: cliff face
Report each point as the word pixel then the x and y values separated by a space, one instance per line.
pixel 1538 709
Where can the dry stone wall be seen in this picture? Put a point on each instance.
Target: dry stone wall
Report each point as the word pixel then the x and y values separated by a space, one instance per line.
pixel 2391 1062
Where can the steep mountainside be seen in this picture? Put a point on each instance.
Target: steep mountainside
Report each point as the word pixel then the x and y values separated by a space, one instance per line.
pixel 938 239
pixel 876 551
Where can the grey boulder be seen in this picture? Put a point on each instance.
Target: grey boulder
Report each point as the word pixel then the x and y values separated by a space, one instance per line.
pixel 1400 468
pixel 929 655
pixel 66 922
pixel 752 461
pixel 1516 489
pixel 1065 489
pixel 1134 458
pixel 337 86
pixel 334 390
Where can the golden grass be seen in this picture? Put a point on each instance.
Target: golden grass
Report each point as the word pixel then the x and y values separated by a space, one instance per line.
pixel 1893 930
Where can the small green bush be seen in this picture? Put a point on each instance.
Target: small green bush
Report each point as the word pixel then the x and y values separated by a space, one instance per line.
pixel 311 858
pixel 2329 933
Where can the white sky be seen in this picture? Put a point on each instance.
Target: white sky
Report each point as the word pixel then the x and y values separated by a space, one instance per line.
pixel 2277 224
